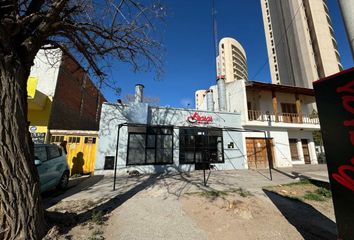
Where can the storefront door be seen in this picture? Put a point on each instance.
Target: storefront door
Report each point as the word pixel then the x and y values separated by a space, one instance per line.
pixel 305 149
pixel 257 152
pixel 201 146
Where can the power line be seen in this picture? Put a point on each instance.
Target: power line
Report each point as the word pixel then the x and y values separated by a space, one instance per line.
pixel 280 40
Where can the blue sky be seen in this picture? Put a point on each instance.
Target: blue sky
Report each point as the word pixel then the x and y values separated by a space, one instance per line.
pixel 189 55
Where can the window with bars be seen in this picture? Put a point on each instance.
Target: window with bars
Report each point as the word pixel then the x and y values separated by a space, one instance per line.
pixel 91 140
pixel 57 139
pixel 74 140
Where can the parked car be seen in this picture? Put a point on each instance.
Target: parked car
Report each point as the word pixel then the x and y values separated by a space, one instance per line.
pixel 52 166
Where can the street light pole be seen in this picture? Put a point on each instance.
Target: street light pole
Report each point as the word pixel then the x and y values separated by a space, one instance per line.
pixel 269 151
pixel 116 160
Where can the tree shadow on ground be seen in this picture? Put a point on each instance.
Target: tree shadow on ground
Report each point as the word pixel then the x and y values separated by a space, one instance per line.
pixel 66 221
pixel 310 223
pixel 178 183
pixel 52 197
pixel 267 176
pixel 293 175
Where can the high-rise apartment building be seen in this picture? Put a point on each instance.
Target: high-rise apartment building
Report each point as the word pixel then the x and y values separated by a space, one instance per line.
pixel 300 41
pixel 199 96
pixel 231 61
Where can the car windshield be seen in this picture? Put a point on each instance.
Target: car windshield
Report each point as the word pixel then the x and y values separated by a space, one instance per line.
pixel 40 153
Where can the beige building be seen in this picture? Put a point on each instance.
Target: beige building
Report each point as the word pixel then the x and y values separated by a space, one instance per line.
pixel 300 41
pixel 231 61
pixel 199 97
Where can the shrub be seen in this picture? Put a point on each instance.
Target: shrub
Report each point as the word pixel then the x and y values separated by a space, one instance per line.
pixel 97 217
pixel 313 196
pixel 324 192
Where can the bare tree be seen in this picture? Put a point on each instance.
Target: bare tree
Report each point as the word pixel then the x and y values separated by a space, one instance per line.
pixel 95 32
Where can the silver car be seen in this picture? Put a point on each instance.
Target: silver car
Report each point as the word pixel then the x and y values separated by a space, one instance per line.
pixel 52 166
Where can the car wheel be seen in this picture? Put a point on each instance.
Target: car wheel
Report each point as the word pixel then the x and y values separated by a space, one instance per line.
pixel 64 181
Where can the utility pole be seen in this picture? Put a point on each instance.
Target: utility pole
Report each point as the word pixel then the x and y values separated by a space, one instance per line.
pixel 347 9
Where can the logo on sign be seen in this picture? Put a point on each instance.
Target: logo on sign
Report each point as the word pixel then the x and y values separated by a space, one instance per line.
pixel 33 129
pixel 196 118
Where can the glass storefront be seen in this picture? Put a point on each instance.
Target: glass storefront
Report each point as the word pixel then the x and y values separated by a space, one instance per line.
pixel 150 145
pixel 200 145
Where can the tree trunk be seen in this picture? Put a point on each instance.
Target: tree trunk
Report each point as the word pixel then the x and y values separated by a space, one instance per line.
pixel 21 211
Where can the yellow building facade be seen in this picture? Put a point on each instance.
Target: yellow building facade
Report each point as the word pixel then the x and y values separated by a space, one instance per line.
pixel 55 113
pixel 39 108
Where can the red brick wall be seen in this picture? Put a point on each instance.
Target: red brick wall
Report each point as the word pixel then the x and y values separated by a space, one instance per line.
pixel 77 102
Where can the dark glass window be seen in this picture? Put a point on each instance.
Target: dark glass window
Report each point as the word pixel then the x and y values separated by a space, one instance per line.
pixel 74 139
pixel 91 140
pixel 136 149
pixel 53 152
pixel 199 145
pixel 108 163
pixel 57 139
pixel 40 153
pixel 152 145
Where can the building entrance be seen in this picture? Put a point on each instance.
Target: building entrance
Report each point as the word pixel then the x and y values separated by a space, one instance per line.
pixel 201 146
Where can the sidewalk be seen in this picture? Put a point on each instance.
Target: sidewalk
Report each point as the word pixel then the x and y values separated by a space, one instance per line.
pixel 101 187
pixel 316 172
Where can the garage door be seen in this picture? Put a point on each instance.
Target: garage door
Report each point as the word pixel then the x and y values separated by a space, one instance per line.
pixel 257 156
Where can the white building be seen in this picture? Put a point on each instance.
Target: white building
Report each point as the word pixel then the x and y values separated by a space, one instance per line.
pixel 231 64
pixel 283 112
pixel 159 139
pixel 231 61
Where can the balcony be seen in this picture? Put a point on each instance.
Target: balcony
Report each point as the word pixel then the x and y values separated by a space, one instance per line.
pixel 254 115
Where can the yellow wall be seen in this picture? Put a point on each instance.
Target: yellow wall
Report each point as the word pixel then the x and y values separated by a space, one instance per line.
pixel 80 156
pixel 31 86
pixel 38 117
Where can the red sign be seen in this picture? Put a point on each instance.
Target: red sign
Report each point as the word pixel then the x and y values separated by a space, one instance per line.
pixel 196 118
pixel 335 102
pixel 342 176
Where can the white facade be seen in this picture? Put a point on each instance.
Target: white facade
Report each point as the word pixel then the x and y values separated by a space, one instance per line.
pixel 113 115
pixel 261 105
pixel 46 69
pixel 231 61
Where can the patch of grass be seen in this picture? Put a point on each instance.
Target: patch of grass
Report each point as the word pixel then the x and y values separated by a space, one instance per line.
pixel 96 235
pixel 313 196
pixel 301 191
pixel 213 194
pixel 301 182
pixel 243 192
pixel 324 192
pixel 210 194
pixel 97 217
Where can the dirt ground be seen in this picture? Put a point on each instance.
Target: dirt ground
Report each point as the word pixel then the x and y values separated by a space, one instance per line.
pixel 221 216
pixel 235 216
pixel 251 217
pixel 179 208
